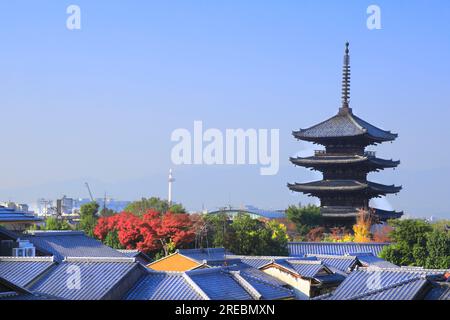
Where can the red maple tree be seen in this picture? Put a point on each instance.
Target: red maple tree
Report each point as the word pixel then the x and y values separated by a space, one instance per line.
pixel 153 231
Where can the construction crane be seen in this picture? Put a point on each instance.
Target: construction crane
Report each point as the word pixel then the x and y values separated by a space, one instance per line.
pixel 89 190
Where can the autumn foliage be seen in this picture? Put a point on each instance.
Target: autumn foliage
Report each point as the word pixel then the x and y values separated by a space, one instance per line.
pixel 315 234
pixel 150 232
pixel 383 234
pixel 362 227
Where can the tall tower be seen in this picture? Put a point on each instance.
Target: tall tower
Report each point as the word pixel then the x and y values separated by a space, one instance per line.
pixel 171 179
pixel 345 163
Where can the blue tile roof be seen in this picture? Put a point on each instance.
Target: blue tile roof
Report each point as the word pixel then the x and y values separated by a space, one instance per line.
pixel 21 271
pixel 100 278
pixel 69 244
pixel 140 256
pixel 8 215
pixel 369 260
pixel 233 284
pixel 267 289
pixel 381 284
pixel 256 261
pixel 204 254
pixel 247 270
pixel 406 290
pixel 163 286
pixel 304 268
pixel 334 248
pixel 218 284
pixel 342 263
pixel 439 291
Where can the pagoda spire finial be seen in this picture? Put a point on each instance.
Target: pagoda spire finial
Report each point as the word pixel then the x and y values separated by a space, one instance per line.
pixel 346 82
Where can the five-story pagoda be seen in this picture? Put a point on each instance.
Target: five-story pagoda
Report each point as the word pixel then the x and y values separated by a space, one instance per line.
pixel 345 163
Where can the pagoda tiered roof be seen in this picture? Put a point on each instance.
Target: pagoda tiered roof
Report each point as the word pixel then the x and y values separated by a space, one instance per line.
pixel 352 213
pixel 344 186
pixel 345 124
pixel 370 161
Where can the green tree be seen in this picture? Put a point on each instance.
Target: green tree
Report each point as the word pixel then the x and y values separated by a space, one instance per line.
pixel 88 218
pixel 142 206
pixel 438 249
pixel 278 242
pixel 249 236
pixel 441 225
pixel 243 236
pixel 304 218
pixel 217 227
pixel 112 240
pixel 410 231
pixel 53 223
pixel 417 243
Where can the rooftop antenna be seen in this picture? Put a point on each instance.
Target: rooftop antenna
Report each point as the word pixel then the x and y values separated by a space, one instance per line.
pixel 345 109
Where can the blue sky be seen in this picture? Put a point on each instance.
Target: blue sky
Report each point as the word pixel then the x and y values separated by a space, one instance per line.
pixel 99 104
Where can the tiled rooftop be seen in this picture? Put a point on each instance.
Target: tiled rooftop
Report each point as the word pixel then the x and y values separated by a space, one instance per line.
pixel 163 286
pixel 8 215
pixel 100 278
pixel 334 248
pixel 344 125
pixel 384 284
pixel 63 244
pixel 204 254
pixel 344 264
pixel 23 270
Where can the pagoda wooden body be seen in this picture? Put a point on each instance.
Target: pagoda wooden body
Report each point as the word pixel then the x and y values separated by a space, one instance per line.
pixel 345 163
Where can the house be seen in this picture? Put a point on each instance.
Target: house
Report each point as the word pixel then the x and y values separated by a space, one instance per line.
pixel 138 255
pixel 157 285
pixel 90 278
pixel 217 283
pixel 17 219
pixel 392 284
pixel 224 284
pixel 308 277
pixel 369 260
pixel 334 248
pixel 247 270
pixel 188 259
pixel 339 264
pixel 61 244
pixel 257 261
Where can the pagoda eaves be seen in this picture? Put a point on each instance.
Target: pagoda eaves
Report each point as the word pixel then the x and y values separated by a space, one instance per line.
pixel 345 125
pixel 329 186
pixel 370 163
